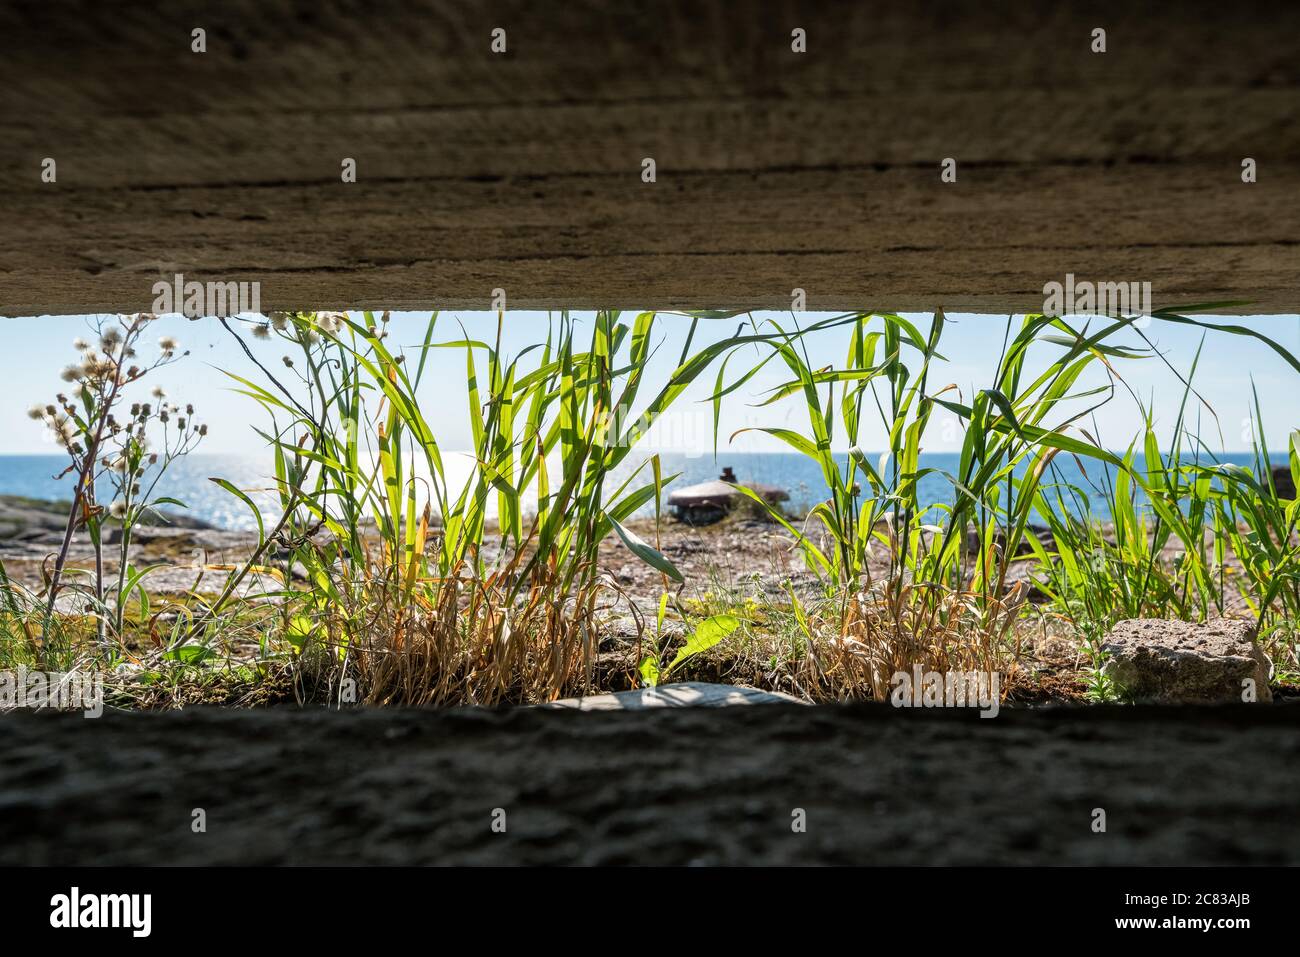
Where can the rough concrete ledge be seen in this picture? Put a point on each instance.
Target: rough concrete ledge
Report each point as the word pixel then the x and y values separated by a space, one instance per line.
pixel 663 786
pixel 522 171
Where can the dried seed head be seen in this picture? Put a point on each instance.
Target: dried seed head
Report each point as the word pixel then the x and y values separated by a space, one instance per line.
pixel 330 322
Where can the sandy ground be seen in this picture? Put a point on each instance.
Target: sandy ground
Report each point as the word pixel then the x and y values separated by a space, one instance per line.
pixel 741 555
pixel 878 786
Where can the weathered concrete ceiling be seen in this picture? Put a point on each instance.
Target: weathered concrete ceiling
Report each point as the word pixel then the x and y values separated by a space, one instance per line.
pixel 522 171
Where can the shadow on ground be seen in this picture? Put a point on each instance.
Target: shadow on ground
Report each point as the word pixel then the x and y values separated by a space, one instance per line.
pixel 672 786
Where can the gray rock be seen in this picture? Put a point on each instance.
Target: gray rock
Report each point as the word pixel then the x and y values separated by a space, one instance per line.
pixel 1159 661
pixel 40 522
pixel 31 520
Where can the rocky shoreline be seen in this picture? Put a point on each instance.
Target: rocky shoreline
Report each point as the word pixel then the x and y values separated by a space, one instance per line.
pixel 31 531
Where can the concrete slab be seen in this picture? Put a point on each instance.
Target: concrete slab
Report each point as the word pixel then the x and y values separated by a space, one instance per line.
pixel 880 786
pixel 776 170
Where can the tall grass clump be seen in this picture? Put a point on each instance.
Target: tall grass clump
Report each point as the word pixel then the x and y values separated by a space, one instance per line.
pixel 1186 533
pixel 908 582
pixel 429 590
pixel 1258 523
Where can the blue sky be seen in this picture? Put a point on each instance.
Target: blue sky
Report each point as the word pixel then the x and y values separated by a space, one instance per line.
pixel 36 349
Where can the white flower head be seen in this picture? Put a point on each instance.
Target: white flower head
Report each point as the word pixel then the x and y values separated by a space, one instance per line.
pixel 280 321
pixel 261 331
pixel 36 413
pixel 330 322
pixel 157 392
pixel 97 367
pixel 118 509
pixel 65 430
pixel 81 345
pixel 71 373
pixel 168 345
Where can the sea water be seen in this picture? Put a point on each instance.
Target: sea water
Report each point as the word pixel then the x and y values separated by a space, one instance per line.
pixel 189 479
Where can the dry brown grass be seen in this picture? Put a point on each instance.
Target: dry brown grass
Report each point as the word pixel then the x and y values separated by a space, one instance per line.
pixel 894 628
pixel 459 641
pixel 852 647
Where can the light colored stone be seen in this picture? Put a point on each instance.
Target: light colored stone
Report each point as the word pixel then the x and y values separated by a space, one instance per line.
pixel 685 694
pixel 1162 661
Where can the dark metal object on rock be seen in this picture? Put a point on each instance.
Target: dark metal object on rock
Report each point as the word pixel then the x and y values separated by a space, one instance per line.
pixel 709 502
pixel 1283 482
